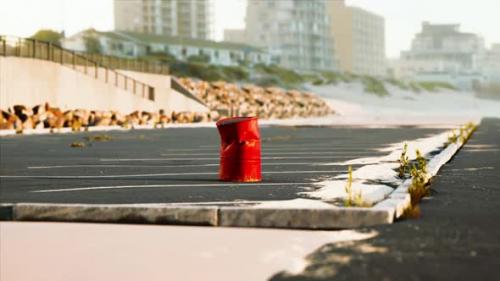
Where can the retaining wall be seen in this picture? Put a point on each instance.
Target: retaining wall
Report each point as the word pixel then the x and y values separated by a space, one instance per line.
pixel 30 82
pixel 165 95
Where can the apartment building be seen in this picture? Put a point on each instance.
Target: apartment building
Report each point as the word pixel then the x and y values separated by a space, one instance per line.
pixel 235 35
pixel 184 18
pixel 296 32
pixel 359 39
pixel 441 52
pixel 491 65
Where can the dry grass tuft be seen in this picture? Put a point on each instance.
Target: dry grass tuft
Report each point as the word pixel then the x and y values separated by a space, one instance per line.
pixel 453 138
pixel 412 212
pixel 403 162
pixel 353 199
pixel 417 192
pixel 78 144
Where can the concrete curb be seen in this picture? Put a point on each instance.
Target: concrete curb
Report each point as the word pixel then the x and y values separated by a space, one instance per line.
pixel 109 213
pixel 334 218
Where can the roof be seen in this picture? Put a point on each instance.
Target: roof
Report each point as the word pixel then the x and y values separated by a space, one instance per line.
pixel 92 31
pixel 143 38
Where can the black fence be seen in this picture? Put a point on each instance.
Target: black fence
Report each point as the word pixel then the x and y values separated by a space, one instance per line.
pixel 176 85
pixel 138 65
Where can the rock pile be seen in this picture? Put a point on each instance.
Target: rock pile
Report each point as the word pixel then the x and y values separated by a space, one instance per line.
pixel 20 117
pixel 224 99
pixel 250 100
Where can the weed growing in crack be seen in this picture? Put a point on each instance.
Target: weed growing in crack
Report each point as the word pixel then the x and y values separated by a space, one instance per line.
pixel 419 187
pixel 421 162
pixel 453 138
pixel 468 130
pixel 348 189
pixel 464 134
pixel 353 199
pixel 404 162
pixel 412 212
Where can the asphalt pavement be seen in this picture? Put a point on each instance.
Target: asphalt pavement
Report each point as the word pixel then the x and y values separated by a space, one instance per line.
pixel 457 236
pixel 178 165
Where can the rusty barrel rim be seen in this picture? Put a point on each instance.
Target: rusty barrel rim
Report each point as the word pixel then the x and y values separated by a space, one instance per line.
pixel 234 120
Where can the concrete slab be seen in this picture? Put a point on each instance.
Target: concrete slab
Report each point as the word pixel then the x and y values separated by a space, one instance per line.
pixel 34 251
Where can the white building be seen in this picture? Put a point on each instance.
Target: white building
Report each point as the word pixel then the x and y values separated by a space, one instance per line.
pixel 491 65
pixel 132 44
pixel 235 35
pixel 186 18
pixel 441 52
pixel 359 39
pixel 296 32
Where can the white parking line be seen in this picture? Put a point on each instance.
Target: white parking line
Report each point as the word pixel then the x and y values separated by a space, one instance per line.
pixel 166 185
pixel 353 154
pixel 217 158
pixel 159 175
pixel 119 166
pixel 169 166
pixel 265 148
pixel 300 145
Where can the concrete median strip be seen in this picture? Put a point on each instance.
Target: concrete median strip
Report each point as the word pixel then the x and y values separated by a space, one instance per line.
pixel 334 218
pixel 249 216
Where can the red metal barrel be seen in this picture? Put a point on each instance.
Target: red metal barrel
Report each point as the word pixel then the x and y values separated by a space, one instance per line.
pixel 239 149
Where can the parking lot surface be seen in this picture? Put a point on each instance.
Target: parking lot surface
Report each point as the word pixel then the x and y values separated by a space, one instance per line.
pixel 178 165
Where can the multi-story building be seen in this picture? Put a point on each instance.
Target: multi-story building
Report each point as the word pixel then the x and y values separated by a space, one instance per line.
pixel 296 32
pixel 359 39
pixel 491 65
pixel 235 35
pixel 134 44
pixel 441 52
pixel 185 18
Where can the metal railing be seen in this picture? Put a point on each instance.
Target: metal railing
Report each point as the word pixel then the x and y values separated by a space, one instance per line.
pixel 132 64
pixel 30 48
pixel 175 84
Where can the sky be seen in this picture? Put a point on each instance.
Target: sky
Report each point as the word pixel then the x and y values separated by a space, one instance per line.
pixel 403 18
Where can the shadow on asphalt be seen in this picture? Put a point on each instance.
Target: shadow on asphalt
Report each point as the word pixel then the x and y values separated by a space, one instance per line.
pixel 456 238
